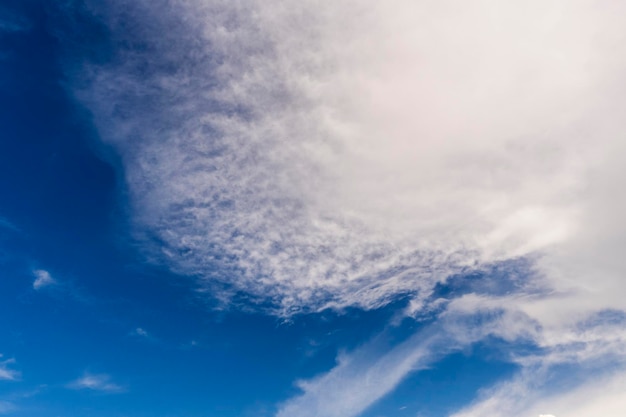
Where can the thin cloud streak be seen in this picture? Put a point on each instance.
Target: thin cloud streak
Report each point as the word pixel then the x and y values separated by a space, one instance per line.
pixel 5 224
pixel 95 382
pixel 362 378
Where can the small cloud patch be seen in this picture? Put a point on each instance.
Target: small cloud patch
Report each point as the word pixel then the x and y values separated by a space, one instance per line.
pixel 95 382
pixel 140 332
pixel 7 374
pixel 42 279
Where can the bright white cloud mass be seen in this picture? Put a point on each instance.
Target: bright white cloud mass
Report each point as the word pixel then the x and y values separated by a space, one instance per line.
pixel 343 153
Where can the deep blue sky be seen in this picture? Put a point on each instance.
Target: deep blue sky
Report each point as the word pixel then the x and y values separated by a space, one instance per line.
pixel 114 332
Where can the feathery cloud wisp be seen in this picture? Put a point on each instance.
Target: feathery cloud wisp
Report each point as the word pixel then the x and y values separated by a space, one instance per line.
pixel 520 397
pixel 7 407
pixel 326 155
pixel 6 373
pixel 362 377
pixel 5 224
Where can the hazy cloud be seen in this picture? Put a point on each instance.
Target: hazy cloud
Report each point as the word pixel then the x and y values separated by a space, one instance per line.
pixel 95 382
pixel 140 332
pixel 598 395
pixel 5 224
pixel 7 407
pixel 6 373
pixel 42 279
pixel 362 378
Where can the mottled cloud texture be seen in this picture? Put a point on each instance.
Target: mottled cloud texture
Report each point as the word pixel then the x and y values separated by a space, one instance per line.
pixel 341 153
pixel 338 154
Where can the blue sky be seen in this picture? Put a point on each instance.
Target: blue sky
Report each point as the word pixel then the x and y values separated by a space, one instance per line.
pixel 304 209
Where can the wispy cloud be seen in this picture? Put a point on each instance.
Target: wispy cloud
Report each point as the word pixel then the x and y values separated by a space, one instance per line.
pixel 7 407
pixel 6 224
pixel 322 156
pixel 42 279
pixel 596 346
pixel 140 332
pixel 549 379
pixel 12 22
pixel 365 376
pixel 6 373
pixel 598 396
pixel 95 382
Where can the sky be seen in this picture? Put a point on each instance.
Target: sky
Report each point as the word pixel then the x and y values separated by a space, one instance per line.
pixel 312 209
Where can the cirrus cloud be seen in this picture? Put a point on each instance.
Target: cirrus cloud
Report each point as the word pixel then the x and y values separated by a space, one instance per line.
pixel 341 154
pixel 324 156
pixel 6 373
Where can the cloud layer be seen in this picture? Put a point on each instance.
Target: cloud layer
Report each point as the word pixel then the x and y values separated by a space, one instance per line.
pixel 332 155
pixel 521 397
pixel 564 361
pixel 363 377
pixel 326 155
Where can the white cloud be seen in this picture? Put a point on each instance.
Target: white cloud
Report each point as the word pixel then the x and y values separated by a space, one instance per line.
pixel 143 333
pixel 325 155
pixel 591 344
pixel 95 382
pixel 366 375
pixel 521 397
pixel 140 332
pixel 42 279
pixel 6 373
pixel 363 377
pixel 339 154
pixel 596 346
